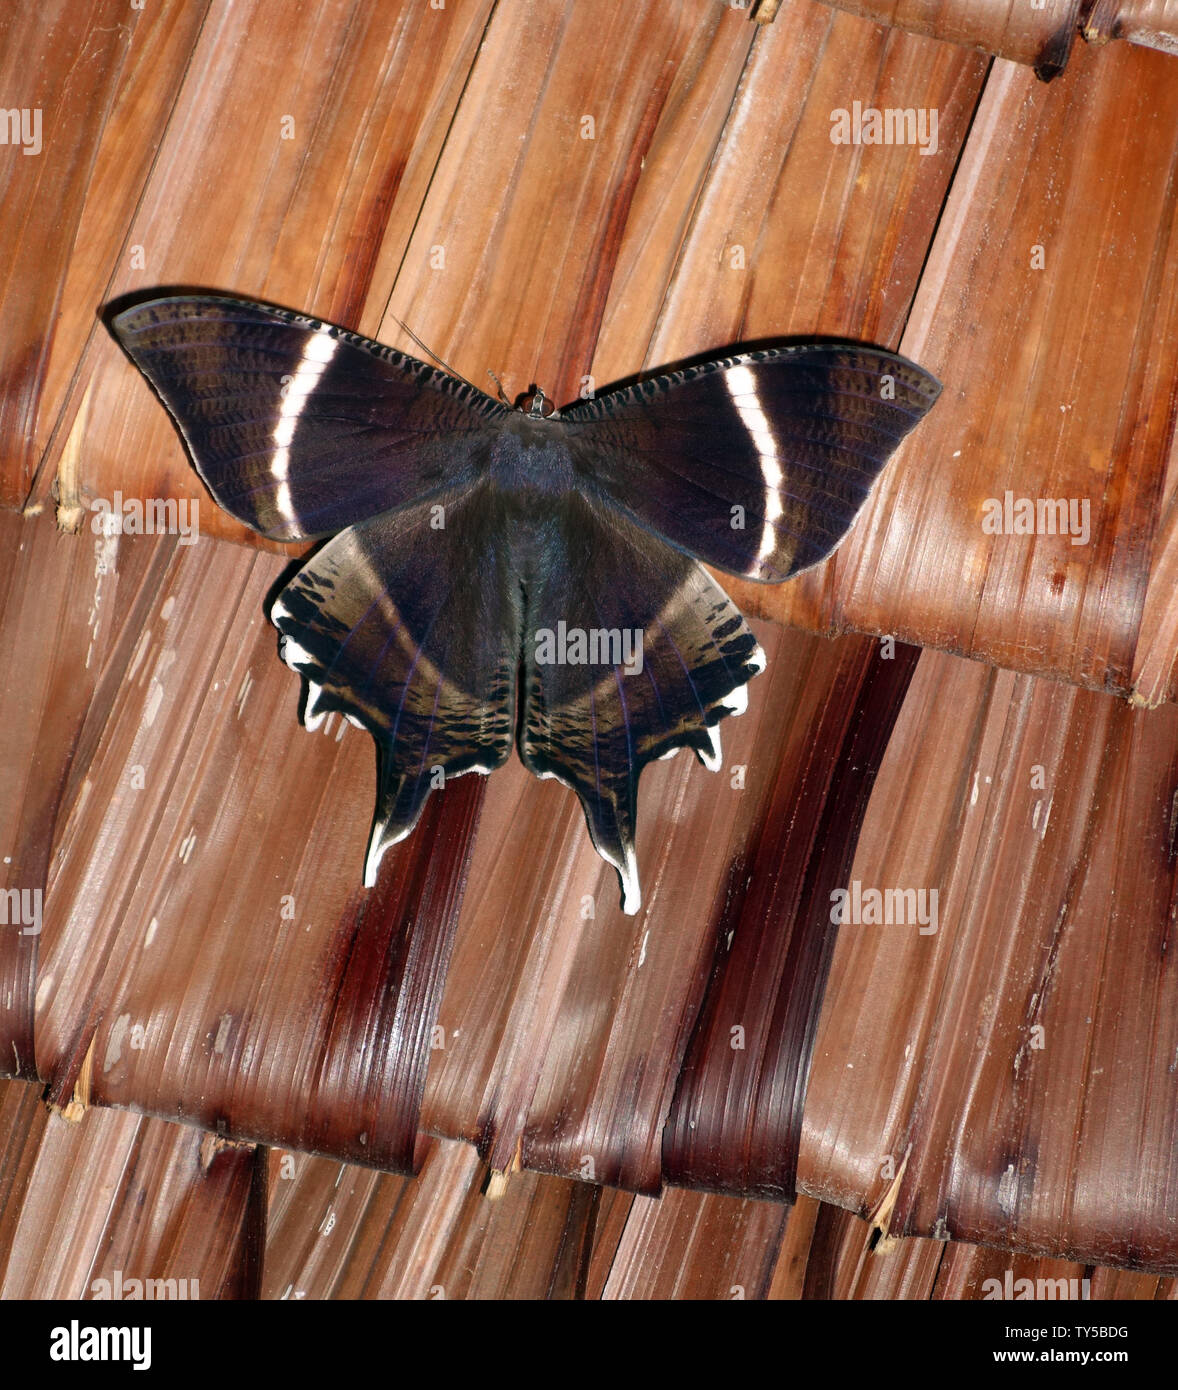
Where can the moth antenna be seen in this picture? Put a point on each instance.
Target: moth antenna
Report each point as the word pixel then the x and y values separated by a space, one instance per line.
pixel 499 384
pixel 429 352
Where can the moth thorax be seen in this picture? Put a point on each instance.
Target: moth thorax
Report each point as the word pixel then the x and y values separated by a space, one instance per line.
pixel 540 406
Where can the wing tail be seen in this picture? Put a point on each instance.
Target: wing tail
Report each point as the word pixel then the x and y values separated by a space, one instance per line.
pixel 381 625
pixel 611 688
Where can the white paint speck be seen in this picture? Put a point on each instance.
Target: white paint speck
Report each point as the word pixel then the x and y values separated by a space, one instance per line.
pixel 114 1043
pixel 151 706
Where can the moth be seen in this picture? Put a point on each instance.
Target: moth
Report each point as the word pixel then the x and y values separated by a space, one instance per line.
pixel 500 576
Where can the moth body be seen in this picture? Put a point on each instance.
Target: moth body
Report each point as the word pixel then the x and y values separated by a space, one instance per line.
pixel 498 578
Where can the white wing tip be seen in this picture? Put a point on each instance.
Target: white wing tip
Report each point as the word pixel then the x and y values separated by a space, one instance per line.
pixel 737 700
pixel 377 845
pixel 631 889
pixel 711 757
pixel 372 859
pixel 313 717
